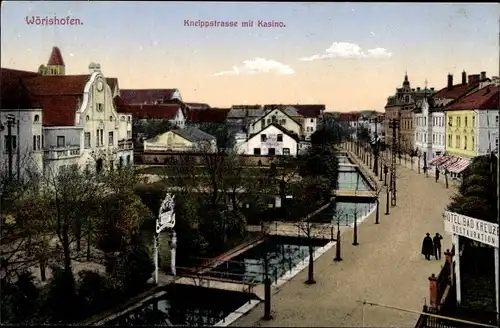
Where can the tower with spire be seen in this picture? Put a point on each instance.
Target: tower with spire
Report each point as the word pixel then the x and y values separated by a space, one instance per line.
pixel 55 65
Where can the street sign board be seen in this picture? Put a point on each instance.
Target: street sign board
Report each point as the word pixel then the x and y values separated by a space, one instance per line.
pixel 475 229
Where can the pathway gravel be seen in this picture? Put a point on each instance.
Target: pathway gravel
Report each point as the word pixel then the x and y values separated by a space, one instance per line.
pixel 386 267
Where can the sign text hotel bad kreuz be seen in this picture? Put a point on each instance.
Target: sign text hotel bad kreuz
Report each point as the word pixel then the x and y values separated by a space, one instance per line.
pixel 478 230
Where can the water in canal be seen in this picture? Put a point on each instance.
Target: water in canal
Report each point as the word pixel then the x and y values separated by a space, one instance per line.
pixel 283 254
pixel 186 305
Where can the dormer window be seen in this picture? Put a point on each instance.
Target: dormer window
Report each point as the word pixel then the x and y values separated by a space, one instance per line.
pixel 36 119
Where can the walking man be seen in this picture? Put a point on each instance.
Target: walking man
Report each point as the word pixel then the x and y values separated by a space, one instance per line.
pixel 427 247
pixel 437 174
pixel 437 245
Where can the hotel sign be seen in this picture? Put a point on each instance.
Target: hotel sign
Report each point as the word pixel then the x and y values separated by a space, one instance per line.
pixel 475 229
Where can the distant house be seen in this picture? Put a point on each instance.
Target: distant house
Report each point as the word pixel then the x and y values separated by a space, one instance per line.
pixel 272 140
pixel 197 106
pixel 173 113
pixel 182 140
pixel 310 117
pixel 150 96
pixel 240 117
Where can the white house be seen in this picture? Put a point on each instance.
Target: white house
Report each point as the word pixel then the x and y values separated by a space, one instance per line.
pixel 70 119
pixel 487 129
pixel 277 117
pixel 272 140
pixel 429 130
pixel 190 139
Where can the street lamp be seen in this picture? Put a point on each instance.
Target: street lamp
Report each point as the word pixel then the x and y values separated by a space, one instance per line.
pixel 338 258
pixel 386 170
pixel 165 220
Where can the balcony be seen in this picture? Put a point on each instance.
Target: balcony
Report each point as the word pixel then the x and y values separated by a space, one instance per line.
pixel 55 153
pixel 125 144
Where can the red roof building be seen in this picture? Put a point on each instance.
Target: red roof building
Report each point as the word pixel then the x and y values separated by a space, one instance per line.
pixel 212 115
pixel 485 98
pixel 149 96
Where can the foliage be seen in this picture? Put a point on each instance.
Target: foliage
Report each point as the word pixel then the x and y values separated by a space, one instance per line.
pixel 477 194
pixel 363 134
pixel 19 298
pixel 225 139
pixel 151 127
pixel 96 292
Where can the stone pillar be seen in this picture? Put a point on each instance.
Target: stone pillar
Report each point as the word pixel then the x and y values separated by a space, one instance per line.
pixel 433 290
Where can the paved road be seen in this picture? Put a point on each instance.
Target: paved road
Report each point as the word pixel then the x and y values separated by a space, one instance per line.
pixel 385 268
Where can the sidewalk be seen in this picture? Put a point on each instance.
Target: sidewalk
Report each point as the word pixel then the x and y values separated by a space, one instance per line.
pixel 385 268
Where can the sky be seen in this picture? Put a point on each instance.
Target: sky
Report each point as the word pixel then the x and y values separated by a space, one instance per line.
pixel 348 56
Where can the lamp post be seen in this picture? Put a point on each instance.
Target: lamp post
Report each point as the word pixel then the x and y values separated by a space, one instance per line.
pixel 377 214
pixel 338 258
pixel 165 220
pixel 387 197
pixel 419 155
pixel 386 170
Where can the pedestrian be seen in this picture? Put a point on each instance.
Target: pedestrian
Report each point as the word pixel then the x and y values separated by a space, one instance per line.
pixel 437 174
pixel 437 245
pixel 427 246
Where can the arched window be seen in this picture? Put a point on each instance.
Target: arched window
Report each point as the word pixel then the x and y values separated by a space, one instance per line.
pixel 36 119
pixel 111 118
pixel 87 118
pixel 273 119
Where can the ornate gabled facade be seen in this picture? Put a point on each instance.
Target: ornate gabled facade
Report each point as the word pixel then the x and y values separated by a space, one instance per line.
pixel 64 120
pixel 400 107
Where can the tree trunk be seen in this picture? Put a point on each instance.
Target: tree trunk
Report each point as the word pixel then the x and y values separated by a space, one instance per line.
pixel 78 235
pixel 66 250
pixel 310 273
pixel 89 235
pixel 42 270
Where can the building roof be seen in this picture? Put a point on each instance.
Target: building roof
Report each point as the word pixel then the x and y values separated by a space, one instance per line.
pixel 456 91
pixel 485 98
pixel 309 111
pixel 210 115
pixel 249 107
pixel 55 57
pixel 348 117
pixel 292 135
pixel 56 85
pixel 160 111
pixel 147 96
pixel 194 134
pixel 285 111
pixel 197 105
pixel 112 82
pixel 242 113
pixel 14 94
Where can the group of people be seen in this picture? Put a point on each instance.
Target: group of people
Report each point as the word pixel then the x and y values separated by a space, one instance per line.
pixel 432 246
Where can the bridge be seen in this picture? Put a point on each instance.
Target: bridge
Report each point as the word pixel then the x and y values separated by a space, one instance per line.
pixel 355 193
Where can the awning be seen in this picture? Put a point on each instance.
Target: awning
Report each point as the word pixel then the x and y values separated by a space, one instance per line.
pixel 436 160
pixel 459 165
pixel 442 160
pixel 447 164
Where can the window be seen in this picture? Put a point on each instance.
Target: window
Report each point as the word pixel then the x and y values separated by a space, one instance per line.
pixel 458 121
pixel 87 140
pixel 102 137
pixel 36 119
pixel 450 121
pixel 271 151
pixel 433 138
pixel 465 122
pixel 268 121
pixel 473 121
pixel 465 142
pixel 111 118
pixel 38 142
pixel 457 142
pixel 449 140
pixel 496 143
pixel 34 142
pixel 283 122
pixel 312 121
pixel 263 138
pixel 87 118
pixel 99 107
pixel 43 142
pixel 496 120
pixel 280 138
pixel 61 141
pixel 286 151
pixel 97 139
pixel 110 138
pixel 256 151
pixel 473 143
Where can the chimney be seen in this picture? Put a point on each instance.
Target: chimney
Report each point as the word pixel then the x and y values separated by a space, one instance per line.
pixel 432 89
pixel 483 76
pixel 473 80
pixel 464 77
pixel 450 81
pixel 418 88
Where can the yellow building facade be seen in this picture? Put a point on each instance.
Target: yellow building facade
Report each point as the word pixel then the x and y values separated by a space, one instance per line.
pixel 461 133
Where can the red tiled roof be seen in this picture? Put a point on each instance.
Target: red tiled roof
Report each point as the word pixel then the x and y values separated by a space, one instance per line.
pixel 147 96
pixel 56 85
pixel 457 91
pixel 348 117
pixel 163 111
pixel 485 98
pixel 13 93
pixel 310 110
pixel 211 115
pixel 56 57
pixel 58 110
pixel 112 82
pixel 198 105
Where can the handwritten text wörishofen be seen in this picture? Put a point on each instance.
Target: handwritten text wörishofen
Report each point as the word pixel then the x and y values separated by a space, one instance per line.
pixel 233 24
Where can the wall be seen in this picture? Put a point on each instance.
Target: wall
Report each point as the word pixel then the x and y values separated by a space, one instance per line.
pixel 461 123
pixel 487 127
pixel 178 120
pixel 30 125
pixel 439 132
pixel 158 158
pixel 309 126
pixel 168 141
